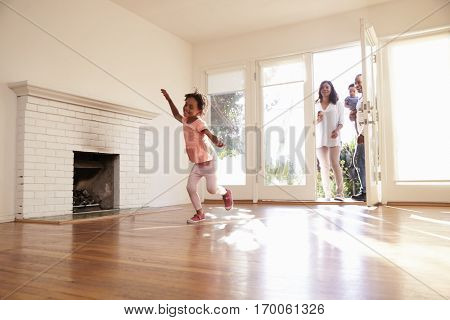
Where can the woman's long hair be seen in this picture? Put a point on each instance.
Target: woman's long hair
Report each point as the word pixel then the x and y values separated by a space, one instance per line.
pixel 333 94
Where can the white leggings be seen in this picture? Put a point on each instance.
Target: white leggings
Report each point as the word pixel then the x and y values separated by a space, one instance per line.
pixel 209 172
pixel 325 156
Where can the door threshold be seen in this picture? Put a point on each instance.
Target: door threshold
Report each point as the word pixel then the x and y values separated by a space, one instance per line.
pixel 314 202
pixel 418 204
pixel 292 202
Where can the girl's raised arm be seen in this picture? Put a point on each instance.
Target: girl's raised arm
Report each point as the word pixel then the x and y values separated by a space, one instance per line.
pixel 174 109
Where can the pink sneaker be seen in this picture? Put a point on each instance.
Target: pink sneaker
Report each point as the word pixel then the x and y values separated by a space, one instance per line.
pixel 196 218
pixel 228 200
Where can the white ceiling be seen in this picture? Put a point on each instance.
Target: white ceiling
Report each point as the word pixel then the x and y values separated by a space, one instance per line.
pixel 203 20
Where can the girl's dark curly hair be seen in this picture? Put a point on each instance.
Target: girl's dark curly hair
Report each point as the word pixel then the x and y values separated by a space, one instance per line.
pixel 333 94
pixel 202 101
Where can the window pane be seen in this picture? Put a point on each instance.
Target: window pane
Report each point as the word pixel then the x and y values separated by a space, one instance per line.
pixel 229 81
pixel 227 101
pixel 284 145
pixel 419 75
pixel 277 72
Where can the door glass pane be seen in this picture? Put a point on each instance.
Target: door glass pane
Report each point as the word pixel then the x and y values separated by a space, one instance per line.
pixel 283 122
pixel 227 101
pixel 419 76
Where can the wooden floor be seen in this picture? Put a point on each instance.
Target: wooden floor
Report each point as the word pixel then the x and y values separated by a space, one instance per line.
pixel 252 252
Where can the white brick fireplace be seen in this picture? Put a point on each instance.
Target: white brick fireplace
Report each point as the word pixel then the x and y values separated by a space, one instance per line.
pixel 51 126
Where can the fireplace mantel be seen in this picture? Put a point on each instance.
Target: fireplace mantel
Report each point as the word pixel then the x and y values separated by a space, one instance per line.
pixel 25 88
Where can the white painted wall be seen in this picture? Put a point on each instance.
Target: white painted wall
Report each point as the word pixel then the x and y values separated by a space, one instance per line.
pixel 390 18
pixel 142 55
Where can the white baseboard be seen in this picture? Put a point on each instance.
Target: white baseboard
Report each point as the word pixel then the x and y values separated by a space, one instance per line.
pixel 4 217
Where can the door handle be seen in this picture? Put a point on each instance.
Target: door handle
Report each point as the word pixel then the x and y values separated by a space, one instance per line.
pixel 366 122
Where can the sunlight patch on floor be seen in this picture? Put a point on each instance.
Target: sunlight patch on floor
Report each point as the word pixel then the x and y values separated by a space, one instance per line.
pixel 239 216
pixel 345 218
pixel 344 242
pixel 360 214
pixel 210 216
pixel 428 233
pixel 249 237
pixel 414 216
pixel 404 209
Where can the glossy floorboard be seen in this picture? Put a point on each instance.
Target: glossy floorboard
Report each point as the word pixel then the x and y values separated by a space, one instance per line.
pixel 251 252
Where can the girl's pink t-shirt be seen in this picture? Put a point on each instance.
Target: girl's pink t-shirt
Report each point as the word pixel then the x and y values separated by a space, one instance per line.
pixel 196 147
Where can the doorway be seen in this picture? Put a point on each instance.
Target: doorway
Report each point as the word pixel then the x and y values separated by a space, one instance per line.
pixel 340 66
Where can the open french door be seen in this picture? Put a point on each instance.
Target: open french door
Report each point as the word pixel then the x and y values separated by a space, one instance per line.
pixel 369 49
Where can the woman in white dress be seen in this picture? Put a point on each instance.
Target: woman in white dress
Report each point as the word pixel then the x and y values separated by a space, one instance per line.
pixel 329 121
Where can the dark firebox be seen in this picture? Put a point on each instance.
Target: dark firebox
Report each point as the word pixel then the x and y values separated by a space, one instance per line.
pixel 95 178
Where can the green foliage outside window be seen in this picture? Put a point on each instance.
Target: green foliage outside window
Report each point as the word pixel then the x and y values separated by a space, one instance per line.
pixel 351 181
pixel 227 122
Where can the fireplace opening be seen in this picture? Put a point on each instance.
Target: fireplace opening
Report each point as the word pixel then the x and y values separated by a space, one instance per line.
pixel 95 182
